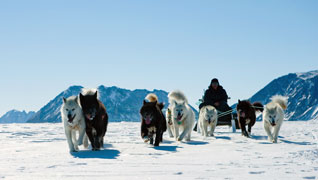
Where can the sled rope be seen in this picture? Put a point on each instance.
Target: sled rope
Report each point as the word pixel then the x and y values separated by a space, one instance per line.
pixel 221 114
pixel 259 107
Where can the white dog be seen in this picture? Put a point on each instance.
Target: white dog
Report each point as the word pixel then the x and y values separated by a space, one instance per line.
pixel 170 126
pixel 208 118
pixel 182 115
pixel 273 116
pixel 73 119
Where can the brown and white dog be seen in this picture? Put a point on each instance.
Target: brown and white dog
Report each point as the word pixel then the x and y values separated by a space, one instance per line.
pixel 96 118
pixel 246 115
pixel 153 121
pixel 169 123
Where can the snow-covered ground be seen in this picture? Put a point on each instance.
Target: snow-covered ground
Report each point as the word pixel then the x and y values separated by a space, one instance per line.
pixel 40 151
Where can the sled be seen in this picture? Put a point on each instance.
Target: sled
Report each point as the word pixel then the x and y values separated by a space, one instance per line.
pixel 227 118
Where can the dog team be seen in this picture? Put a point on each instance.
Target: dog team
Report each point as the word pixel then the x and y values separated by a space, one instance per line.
pixel 86 116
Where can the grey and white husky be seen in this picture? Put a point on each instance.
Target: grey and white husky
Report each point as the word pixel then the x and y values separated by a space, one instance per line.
pixel 208 118
pixel 181 114
pixel 273 116
pixel 73 119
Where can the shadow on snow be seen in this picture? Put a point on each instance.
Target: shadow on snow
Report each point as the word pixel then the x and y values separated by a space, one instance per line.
pixel 223 137
pixel 196 142
pixel 167 148
pixel 259 137
pixel 102 154
pixel 294 142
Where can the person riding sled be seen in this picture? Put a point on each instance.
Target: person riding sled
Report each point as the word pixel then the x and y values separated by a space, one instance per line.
pixel 216 96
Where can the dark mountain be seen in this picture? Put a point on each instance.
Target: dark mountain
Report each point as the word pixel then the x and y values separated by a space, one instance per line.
pixel 121 104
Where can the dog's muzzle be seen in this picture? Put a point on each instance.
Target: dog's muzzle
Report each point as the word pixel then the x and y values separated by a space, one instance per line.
pixel 242 114
pixel 89 117
pixel 147 120
pixel 70 118
pixel 179 118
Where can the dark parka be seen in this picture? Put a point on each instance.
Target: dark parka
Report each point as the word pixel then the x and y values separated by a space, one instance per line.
pixel 212 96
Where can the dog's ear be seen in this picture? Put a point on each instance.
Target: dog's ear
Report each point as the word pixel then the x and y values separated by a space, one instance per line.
pixel 95 95
pixel 82 98
pixel 64 100
pixel 239 101
pixel 144 102
pixel 175 103
pixel 76 98
pixel 207 110
pixel 155 103
pixel 161 106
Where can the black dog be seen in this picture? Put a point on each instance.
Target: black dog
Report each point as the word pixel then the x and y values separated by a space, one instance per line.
pixel 246 115
pixel 96 118
pixel 152 122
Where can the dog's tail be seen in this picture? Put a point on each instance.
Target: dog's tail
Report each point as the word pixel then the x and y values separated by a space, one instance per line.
pixel 90 92
pixel 177 96
pixel 258 106
pixel 152 97
pixel 281 100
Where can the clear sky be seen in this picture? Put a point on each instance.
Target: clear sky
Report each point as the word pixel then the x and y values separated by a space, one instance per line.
pixel 47 46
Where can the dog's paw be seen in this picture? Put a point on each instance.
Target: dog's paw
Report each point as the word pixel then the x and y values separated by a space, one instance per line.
pixel 95 149
pixel 274 140
pixel 146 139
pixel 245 134
pixel 80 142
pixel 86 145
pixel 179 139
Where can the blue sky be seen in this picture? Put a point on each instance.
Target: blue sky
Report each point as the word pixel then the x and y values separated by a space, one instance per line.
pixel 47 46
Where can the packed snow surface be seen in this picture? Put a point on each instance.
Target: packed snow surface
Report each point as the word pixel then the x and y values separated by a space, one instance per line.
pixel 40 151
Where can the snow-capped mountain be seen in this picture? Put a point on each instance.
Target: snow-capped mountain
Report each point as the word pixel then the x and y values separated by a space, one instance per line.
pixel 121 104
pixel 124 105
pixel 51 111
pixel 15 116
pixel 302 91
